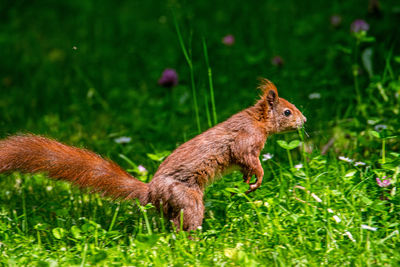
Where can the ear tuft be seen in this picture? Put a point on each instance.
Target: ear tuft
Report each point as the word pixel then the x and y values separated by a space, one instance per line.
pixel 270 93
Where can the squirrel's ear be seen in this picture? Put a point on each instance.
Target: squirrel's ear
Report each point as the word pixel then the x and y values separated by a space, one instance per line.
pixel 272 98
pixel 270 93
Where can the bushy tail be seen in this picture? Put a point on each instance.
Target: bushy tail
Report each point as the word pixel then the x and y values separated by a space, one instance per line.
pixel 31 154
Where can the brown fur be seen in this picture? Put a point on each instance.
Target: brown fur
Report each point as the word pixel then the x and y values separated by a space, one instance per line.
pixel 180 180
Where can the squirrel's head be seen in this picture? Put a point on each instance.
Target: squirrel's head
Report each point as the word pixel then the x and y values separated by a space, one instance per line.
pixel 281 114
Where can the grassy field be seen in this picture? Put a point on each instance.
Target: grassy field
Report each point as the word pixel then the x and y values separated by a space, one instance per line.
pixel 86 73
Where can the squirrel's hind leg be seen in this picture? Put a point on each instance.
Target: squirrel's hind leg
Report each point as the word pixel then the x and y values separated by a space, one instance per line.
pixel 188 202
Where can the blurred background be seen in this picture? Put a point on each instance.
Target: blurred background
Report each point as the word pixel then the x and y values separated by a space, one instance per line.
pixel 90 72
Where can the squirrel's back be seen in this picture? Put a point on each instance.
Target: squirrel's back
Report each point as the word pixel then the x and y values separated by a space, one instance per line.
pixel 209 155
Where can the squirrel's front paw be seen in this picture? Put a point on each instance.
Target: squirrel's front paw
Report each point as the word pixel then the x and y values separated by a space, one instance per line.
pixel 254 186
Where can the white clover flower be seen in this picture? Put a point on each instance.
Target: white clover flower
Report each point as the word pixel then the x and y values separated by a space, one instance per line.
pixel 359 163
pixel 123 140
pixel 142 169
pixel 314 96
pixel 267 156
pixel 336 218
pixel 316 197
pixel 298 166
pixel 350 236
pixel 349 160
pixel 367 227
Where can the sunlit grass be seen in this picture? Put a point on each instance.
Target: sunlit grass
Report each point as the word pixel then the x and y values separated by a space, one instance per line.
pixel 91 81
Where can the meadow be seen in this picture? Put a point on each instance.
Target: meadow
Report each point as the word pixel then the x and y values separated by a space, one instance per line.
pixel 89 73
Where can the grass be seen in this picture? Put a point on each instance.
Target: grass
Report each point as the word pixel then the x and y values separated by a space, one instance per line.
pixel 327 211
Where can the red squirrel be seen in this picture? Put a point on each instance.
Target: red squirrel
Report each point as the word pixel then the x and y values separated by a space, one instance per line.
pixel 179 182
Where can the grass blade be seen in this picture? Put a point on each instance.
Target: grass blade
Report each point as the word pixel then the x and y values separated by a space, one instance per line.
pixel 210 82
pixel 190 63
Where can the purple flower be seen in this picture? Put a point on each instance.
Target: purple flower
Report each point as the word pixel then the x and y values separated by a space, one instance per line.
pixel 359 25
pixel 336 20
pixel 384 182
pixel 228 40
pixel 169 78
pixel 277 61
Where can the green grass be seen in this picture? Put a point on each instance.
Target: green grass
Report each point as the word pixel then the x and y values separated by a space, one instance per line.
pixel 107 88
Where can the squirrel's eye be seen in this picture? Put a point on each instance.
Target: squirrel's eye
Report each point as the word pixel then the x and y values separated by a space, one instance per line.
pixel 287 113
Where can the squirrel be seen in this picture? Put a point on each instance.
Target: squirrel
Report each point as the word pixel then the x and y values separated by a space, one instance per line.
pixel 179 183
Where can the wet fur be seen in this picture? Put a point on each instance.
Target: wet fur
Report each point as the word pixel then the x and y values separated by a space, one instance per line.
pixel 180 180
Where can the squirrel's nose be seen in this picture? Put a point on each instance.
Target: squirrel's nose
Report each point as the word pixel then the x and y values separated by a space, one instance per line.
pixel 304 119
